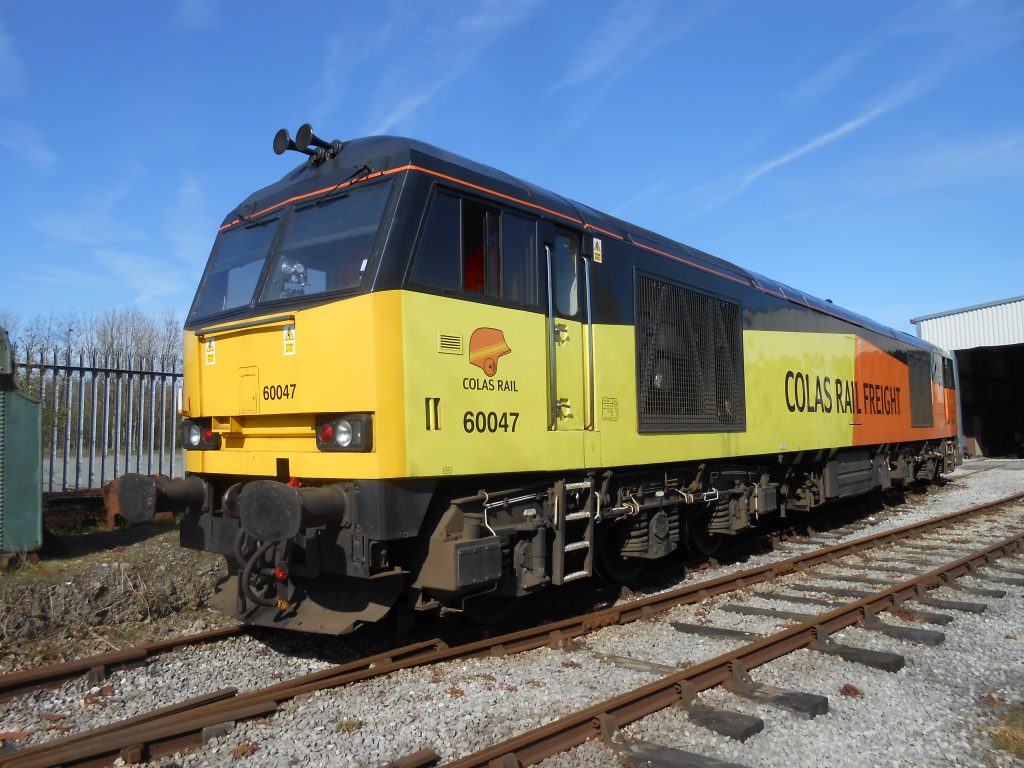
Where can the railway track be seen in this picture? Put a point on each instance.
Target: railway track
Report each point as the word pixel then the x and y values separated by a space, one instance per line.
pixel 190 723
pixel 97 667
pixel 731 671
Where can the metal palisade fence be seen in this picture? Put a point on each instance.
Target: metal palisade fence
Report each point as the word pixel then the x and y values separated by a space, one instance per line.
pixel 103 416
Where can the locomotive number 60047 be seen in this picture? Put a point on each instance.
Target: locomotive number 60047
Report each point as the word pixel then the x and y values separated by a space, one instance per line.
pixel 279 392
pixel 490 421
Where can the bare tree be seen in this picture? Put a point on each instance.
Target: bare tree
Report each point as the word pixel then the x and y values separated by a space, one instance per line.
pixel 77 364
pixel 125 334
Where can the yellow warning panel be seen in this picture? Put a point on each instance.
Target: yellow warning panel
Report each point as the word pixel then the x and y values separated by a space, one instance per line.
pixel 289 339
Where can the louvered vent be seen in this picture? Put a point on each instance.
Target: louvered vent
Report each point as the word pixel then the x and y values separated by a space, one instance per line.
pixel 689 350
pixel 449 344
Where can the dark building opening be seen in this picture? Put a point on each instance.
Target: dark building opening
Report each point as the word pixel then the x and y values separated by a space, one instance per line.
pixel 992 399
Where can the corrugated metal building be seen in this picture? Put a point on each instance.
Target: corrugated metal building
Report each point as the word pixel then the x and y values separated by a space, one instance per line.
pixel 987 342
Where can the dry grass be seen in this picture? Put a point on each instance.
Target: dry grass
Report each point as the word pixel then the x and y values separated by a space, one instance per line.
pixel 101 596
pixel 1009 734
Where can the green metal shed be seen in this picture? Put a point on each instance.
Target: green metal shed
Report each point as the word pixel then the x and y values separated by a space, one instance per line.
pixel 21 517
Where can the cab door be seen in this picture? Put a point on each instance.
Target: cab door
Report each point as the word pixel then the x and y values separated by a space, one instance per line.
pixel 568 334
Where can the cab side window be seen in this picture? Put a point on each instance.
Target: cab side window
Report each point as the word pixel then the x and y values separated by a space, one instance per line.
pixel 438 259
pixel 519 259
pixel 481 256
pixel 476 250
pixel 566 276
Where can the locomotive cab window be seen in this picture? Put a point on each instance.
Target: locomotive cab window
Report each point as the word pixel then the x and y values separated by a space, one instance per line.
pixel 481 257
pixel 518 259
pixel 566 275
pixel 948 377
pixel 234 269
pixel 321 247
pixel 327 245
pixel 476 250
pixel 920 373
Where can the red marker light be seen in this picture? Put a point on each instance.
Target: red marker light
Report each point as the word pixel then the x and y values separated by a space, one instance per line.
pixel 281 574
pixel 326 433
pixel 208 436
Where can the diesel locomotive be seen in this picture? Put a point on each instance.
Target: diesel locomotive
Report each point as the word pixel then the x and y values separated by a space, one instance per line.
pixel 414 383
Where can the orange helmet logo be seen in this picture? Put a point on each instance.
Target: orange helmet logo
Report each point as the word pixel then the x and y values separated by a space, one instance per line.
pixel 486 345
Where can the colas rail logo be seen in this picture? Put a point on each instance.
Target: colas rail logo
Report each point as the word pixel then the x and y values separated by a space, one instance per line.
pixel 486 345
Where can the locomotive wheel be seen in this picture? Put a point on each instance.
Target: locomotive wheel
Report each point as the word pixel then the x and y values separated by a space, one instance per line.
pixel 610 562
pixel 698 539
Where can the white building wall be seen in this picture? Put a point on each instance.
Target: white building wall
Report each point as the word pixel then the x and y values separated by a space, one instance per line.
pixel 987 326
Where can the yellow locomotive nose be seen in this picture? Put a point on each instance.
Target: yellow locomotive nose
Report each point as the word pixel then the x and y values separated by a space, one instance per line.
pixel 486 345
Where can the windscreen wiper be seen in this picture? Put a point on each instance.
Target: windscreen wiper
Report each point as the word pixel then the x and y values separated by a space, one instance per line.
pixel 360 171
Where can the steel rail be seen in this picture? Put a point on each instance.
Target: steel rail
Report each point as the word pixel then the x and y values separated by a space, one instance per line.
pixel 27 680
pixel 167 735
pixel 156 714
pixel 536 745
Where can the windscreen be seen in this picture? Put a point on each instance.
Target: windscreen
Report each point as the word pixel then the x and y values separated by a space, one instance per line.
pixel 325 246
pixel 234 269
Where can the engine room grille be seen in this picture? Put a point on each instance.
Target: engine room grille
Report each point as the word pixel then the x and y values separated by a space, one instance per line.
pixel 689 350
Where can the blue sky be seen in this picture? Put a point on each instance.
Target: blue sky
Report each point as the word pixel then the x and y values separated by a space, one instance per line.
pixel 867 152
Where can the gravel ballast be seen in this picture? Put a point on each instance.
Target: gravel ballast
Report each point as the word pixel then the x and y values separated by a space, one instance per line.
pixel 933 712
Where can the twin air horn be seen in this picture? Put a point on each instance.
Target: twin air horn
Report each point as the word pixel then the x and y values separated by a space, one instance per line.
pixel 304 137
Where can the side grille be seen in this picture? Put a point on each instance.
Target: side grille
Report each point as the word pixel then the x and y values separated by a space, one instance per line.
pixel 449 344
pixel 689 350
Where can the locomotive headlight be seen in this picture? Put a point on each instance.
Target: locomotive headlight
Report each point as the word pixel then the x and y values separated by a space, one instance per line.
pixel 351 432
pixel 198 436
pixel 343 433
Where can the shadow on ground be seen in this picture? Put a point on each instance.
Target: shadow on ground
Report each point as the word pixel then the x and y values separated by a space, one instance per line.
pixel 59 545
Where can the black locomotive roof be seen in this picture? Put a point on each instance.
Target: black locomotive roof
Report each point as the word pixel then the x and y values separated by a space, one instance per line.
pixel 383 154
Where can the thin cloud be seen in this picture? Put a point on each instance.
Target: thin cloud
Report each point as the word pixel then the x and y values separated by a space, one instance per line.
pixel 830 76
pixel 196 14
pixel 346 50
pixel 452 52
pixel 969 46
pixel 915 21
pixel 12 70
pixel 897 98
pixel 902 95
pixel 25 142
pixel 144 277
pixel 617 35
pixel 55 275
pixel 331 91
pixel 644 197
pixel 188 225
pixel 86 228
pixel 970 43
pixel 94 223
pixel 981 160
pixel 661 34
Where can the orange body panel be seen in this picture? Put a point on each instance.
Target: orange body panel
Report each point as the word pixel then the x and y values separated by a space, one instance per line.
pixel 881 401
